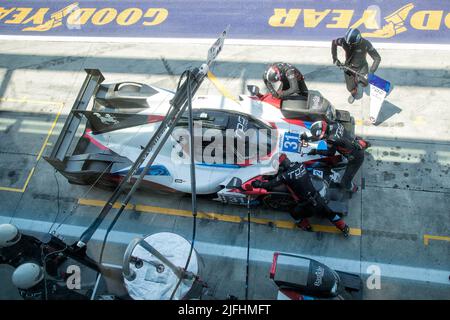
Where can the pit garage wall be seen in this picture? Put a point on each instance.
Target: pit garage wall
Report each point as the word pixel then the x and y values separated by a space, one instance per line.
pixel 395 21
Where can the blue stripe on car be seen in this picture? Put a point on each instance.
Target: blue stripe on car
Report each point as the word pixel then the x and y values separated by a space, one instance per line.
pixel 156 170
pixel 218 165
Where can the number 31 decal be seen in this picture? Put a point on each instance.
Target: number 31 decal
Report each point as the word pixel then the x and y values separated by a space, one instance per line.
pixel 290 142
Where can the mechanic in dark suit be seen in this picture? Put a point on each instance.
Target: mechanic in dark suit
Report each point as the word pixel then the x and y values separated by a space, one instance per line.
pixel 284 80
pixel 339 139
pixel 297 179
pixel 356 49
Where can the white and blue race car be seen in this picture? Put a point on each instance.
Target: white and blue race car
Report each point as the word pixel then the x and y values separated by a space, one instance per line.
pixel 121 117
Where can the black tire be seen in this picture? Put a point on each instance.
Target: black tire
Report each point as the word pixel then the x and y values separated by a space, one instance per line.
pixel 279 202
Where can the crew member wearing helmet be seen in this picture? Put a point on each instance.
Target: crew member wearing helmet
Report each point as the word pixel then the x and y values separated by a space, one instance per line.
pixel 29 279
pixel 356 49
pixel 16 247
pixel 284 80
pixel 339 139
pixel 309 202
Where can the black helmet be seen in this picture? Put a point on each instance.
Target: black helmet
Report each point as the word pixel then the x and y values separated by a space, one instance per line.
pixel 318 129
pixel 353 36
pixel 284 161
pixel 273 75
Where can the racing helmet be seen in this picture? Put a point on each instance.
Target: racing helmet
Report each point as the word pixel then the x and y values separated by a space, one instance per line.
pixel 9 235
pixel 318 129
pixel 273 76
pixel 353 36
pixel 284 161
pixel 27 275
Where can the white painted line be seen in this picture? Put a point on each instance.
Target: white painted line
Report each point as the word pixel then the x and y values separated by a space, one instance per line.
pixel 209 41
pixel 240 253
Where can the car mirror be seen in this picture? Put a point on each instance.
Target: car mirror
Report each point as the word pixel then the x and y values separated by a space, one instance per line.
pixel 234 183
pixel 254 90
pixel 322 146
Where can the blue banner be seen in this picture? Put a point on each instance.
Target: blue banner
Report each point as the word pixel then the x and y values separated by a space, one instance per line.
pixel 396 21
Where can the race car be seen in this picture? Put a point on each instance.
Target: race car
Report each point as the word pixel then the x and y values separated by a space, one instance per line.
pixel 120 118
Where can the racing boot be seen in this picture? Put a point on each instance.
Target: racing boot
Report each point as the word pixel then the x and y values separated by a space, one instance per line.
pixel 352 96
pixel 352 189
pixel 351 99
pixel 304 225
pixel 341 225
pixel 363 143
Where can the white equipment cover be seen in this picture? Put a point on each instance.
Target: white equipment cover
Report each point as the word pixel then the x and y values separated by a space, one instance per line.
pixel 150 284
pixel 378 91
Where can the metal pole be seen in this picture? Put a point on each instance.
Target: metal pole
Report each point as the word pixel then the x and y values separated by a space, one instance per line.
pixel 97 282
pixel 248 248
pixel 192 150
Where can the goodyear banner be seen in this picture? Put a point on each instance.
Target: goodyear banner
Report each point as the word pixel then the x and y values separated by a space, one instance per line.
pixel 396 21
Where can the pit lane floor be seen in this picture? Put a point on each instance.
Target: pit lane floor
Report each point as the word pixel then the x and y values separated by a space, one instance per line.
pixel 399 219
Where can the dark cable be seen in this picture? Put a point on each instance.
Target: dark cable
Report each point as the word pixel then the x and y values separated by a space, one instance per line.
pixel 57 201
pixel 76 205
pixel 44 265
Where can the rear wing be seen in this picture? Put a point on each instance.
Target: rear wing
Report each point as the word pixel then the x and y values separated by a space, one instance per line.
pixel 90 85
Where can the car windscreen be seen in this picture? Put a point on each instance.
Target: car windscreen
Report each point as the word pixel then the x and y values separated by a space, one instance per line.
pixel 241 138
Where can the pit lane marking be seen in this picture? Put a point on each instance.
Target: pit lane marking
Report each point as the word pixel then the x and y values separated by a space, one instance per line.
pixel 213 216
pixel 44 144
pixel 428 237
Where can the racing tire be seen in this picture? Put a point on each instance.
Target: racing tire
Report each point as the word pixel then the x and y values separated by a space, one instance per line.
pixel 279 202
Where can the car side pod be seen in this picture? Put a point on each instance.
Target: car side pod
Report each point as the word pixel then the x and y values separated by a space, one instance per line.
pixel 90 85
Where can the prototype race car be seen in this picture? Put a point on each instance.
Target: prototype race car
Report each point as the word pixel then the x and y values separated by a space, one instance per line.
pixel 123 117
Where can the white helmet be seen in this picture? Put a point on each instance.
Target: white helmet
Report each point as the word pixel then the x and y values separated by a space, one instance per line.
pixel 27 275
pixel 9 235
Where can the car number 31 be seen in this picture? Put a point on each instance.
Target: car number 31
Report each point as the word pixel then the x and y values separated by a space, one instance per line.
pixel 291 142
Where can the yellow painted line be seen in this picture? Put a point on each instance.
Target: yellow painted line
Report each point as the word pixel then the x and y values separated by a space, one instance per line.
pixel 291 225
pixel 28 180
pixel 166 211
pixel 419 120
pixel 99 203
pixel 427 238
pixel 49 133
pixel 10 189
pixel 213 216
pixel 22 190
pixel 220 86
